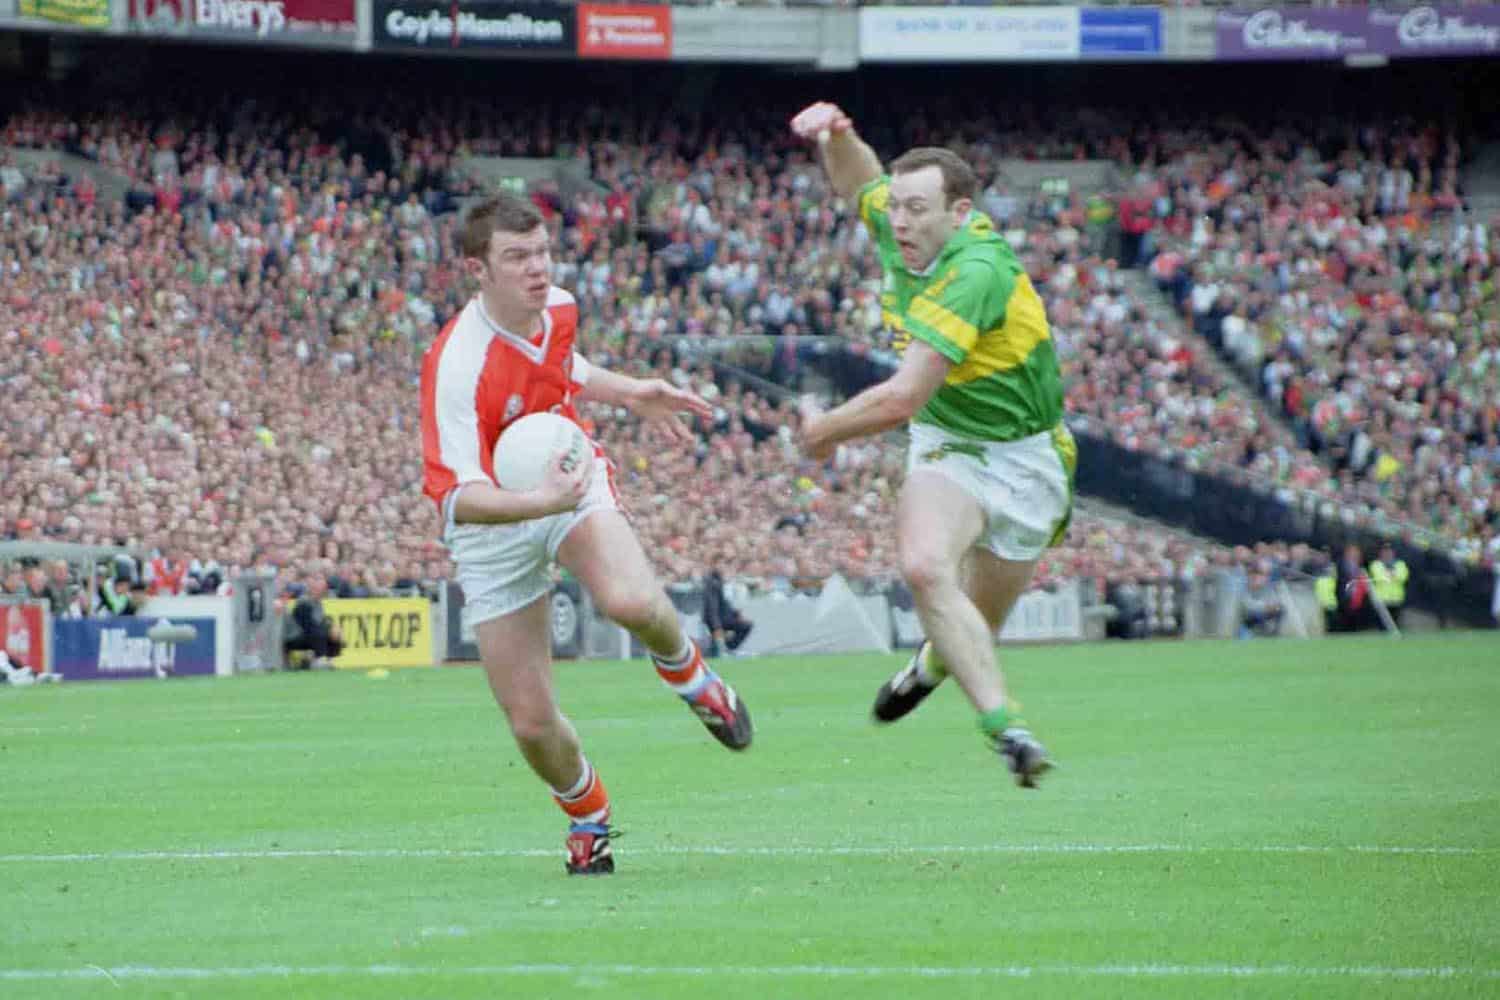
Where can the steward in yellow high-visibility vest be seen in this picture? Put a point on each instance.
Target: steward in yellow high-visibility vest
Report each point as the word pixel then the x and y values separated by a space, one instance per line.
pixel 1326 587
pixel 1388 575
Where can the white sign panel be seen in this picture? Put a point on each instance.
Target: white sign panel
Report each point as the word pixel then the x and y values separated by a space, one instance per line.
pixel 967 34
pixel 762 34
pixel 1041 615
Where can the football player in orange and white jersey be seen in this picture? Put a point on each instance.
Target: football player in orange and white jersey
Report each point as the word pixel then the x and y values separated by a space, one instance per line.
pixel 508 353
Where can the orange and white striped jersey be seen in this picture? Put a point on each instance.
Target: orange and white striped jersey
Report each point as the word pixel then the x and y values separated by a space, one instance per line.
pixel 478 377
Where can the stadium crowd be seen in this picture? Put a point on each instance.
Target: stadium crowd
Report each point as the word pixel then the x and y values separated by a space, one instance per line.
pixel 1359 295
pixel 221 370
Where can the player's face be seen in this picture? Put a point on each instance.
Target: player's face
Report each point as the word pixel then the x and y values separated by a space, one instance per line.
pixel 518 271
pixel 921 217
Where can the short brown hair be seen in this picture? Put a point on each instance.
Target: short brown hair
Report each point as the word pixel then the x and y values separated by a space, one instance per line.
pixel 958 177
pixel 505 212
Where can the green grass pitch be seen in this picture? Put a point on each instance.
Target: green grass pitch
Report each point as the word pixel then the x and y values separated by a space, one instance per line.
pixel 1267 819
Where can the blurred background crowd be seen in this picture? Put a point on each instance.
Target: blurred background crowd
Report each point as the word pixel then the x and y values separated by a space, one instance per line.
pixel 218 369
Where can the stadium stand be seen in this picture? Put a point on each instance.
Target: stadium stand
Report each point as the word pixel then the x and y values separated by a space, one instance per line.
pixel 219 364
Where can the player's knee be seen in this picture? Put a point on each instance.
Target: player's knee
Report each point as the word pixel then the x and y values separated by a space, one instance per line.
pixel 534 725
pixel 926 571
pixel 631 607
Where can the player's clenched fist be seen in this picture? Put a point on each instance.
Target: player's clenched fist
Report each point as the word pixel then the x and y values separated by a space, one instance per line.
pixel 818 121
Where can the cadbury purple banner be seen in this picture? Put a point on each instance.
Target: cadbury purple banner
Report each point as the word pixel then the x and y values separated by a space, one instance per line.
pixel 1334 33
pixel 1437 31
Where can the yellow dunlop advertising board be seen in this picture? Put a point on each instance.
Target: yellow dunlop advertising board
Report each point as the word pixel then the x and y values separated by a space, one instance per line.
pixel 382 631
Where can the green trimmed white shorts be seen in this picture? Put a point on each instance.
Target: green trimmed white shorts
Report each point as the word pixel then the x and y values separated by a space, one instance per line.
pixel 1024 487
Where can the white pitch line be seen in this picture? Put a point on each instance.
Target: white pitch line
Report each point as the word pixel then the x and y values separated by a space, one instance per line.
pixel 357 853
pixel 1107 971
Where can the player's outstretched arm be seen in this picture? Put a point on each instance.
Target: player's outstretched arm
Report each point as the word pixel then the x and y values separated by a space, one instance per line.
pixel 847 159
pixel 879 408
pixel 654 400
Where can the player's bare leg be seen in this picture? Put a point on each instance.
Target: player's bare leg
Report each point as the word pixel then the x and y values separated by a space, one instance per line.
pixel 937 523
pixel 518 662
pixel 937 526
pixel 995 585
pixel 605 555
pixel 517 655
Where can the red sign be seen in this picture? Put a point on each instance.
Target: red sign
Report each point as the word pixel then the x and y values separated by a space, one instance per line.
pixel 23 631
pixel 624 32
pixel 252 18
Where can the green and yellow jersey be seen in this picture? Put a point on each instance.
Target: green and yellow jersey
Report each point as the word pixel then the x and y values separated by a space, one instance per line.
pixel 975 306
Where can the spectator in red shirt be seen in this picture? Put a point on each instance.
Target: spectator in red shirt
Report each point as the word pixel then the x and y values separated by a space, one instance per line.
pixel 166 575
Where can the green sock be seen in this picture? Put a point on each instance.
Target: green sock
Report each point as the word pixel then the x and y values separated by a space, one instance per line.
pixel 995 721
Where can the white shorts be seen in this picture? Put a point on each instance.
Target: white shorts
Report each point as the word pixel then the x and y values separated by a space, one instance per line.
pixel 504 567
pixel 1024 488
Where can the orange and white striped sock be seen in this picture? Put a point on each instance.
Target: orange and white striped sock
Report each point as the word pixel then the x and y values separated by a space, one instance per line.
pixel 586 801
pixel 687 674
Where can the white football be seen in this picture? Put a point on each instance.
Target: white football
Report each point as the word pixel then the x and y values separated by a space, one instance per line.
pixel 530 445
